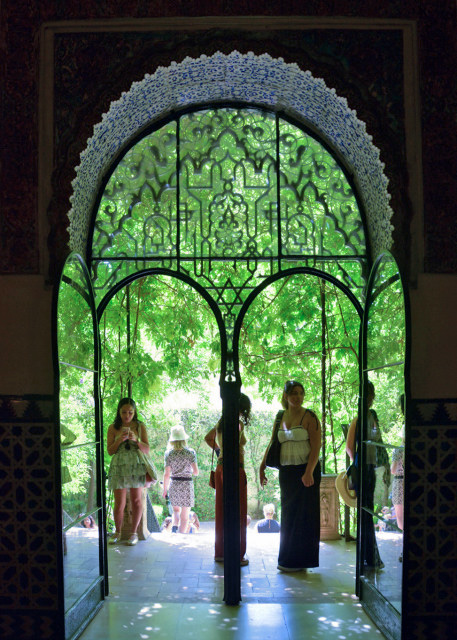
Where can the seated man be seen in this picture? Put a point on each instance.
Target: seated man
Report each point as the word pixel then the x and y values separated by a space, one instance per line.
pixel 268 525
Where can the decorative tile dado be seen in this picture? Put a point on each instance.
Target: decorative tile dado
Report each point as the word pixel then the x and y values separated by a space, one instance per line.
pixel 30 625
pixel 432 523
pixel 435 628
pixel 438 412
pixel 27 408
pixel 28 548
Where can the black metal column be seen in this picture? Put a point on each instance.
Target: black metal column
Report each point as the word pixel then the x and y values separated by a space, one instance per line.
pixel 230 392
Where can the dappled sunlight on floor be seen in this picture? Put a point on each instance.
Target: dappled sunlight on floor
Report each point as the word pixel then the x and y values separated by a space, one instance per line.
pixel 169 586
pixel 250 621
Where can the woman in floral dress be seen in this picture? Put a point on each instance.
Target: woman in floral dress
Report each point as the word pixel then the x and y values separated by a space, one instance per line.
pixel 180 465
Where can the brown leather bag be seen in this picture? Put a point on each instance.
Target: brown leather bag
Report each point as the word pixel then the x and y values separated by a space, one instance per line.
pixel 212 473
pixel 212 479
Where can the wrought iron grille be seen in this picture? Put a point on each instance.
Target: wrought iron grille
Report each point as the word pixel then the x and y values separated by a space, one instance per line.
pixel 228 196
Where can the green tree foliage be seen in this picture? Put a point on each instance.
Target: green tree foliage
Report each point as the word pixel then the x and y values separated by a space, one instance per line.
pixel 160 340
pixel 77 407
pixel 174 345
pixel 251 189
pixel 163 341
pixel 305 329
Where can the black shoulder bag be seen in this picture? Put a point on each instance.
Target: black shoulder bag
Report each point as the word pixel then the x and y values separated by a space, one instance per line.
pixel 212 473
pixel 274 450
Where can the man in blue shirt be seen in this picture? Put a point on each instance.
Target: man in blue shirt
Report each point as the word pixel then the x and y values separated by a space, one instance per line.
pixel 268 524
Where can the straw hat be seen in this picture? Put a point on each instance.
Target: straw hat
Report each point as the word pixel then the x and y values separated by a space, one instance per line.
pixel 341 483
pixel 178 433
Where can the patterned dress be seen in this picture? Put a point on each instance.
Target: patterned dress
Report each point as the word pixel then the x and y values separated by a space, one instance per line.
pixel 126 471
pixel 397 481
pixel 181 489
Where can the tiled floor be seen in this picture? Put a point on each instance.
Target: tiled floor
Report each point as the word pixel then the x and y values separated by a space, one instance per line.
pixel 169 587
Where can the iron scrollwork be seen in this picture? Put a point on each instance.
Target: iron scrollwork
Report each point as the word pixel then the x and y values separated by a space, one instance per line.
pixel 228 196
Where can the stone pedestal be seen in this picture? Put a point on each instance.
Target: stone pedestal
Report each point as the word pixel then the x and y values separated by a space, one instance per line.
pixel 330 508
pixel 142 531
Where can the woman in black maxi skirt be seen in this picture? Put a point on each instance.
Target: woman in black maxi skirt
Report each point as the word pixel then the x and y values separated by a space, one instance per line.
pixel 299 433
pixel 300 518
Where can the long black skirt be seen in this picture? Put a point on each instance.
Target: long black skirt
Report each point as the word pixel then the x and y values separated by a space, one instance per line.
pixel 300 518
pixel 370 549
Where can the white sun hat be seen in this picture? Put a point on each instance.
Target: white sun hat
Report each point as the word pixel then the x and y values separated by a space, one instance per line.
pixel 178 433
pixel 348 496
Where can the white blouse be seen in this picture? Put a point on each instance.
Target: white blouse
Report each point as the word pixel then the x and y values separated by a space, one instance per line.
pixel 295 445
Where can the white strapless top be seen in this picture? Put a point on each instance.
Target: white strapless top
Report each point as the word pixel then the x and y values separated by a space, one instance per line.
pixel 295 445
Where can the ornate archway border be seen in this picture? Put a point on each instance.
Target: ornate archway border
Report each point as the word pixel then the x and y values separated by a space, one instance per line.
pixel 249 78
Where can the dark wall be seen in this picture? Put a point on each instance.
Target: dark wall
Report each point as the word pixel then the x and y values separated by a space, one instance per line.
pixel 93 69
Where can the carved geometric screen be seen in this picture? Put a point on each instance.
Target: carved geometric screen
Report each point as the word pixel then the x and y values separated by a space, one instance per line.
pixel 228 196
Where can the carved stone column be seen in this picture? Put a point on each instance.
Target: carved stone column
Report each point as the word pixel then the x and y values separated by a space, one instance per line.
pixel 330 508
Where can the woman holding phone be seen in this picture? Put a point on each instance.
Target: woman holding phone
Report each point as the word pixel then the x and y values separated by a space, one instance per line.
pixel 125 436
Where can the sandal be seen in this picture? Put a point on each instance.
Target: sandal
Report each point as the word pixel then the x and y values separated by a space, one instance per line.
pixel 132 540
pixel 115 538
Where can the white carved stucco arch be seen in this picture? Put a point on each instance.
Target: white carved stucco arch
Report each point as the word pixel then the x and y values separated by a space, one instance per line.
pixel 250 79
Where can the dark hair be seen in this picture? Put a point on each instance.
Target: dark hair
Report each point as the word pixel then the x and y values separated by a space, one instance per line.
pixel 91 520
pixel 370 389
pixel 290 384
pixel 244 409
pixel 122 403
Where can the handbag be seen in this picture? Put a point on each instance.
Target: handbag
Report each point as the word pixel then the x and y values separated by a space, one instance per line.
pixel 212 479
pixel 272 459
pixel 352 474
pixel 382 457
pixel 151 473
pixel 212 474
